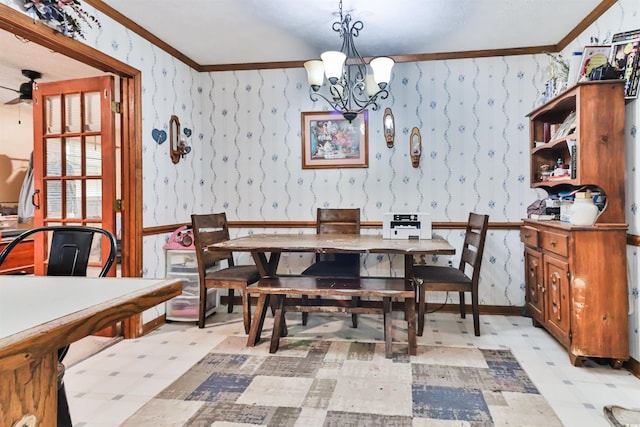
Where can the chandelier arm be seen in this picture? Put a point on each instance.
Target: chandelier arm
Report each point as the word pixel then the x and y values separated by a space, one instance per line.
pixel 335 105
pixel 316 95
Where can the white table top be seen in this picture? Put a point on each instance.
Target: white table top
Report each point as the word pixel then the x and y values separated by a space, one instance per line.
pixel 30 301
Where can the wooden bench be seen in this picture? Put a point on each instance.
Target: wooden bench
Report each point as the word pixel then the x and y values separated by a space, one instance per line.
pixel 283 286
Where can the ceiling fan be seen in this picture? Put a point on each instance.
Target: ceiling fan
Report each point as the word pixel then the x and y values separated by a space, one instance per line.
pixel 26 88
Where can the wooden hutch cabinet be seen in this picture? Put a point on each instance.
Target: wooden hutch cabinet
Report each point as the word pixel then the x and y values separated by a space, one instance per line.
pixel 575 276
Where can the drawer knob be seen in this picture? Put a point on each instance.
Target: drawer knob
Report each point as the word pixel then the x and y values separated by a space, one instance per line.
pixel 552 243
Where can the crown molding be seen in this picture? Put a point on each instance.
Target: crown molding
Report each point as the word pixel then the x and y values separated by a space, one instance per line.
pixel 131 25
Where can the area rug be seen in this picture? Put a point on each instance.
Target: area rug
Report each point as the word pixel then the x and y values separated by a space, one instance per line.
pixel 346 383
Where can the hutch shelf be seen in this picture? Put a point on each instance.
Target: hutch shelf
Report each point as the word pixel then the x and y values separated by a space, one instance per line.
pixel 575 276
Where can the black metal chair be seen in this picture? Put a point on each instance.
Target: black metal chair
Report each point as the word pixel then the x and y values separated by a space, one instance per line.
pixel 335 221
pixel 69 251
pixel 461 279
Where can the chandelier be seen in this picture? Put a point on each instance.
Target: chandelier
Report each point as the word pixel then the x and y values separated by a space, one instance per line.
pixel 351 87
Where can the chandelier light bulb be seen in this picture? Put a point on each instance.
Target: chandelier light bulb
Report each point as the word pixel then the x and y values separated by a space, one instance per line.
pixel 333 62
pixel 382 70
pixel 371 85
pixel 315 73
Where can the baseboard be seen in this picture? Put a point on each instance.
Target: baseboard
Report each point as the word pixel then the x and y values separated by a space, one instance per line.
pixel 153 324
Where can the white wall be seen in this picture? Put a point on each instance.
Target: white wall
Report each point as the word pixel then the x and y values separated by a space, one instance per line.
pixel 16 144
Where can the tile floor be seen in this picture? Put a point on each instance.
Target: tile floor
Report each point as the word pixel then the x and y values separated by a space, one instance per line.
pixel 107 388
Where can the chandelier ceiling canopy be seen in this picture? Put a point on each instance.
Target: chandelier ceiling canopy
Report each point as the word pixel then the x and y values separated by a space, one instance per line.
pixel 351 87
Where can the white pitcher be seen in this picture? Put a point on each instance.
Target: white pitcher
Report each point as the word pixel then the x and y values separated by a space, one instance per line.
pixel 583 212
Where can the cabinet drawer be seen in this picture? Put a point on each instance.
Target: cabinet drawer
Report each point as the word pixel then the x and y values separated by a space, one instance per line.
pixel 556 243
pixel 529 236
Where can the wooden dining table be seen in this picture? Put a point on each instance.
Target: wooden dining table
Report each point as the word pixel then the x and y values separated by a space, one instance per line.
pixel 40 314
pixel 275 244
pixel 266 249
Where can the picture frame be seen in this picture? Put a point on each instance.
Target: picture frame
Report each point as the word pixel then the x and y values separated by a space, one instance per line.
pixel 625 57
pixel 592 57
pixel 331 141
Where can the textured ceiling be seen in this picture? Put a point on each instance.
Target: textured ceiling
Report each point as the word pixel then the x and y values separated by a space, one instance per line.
pixel 214 32
pixel 219 32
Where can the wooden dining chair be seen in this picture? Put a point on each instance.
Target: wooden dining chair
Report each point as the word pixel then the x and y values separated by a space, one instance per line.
pixel 209 229
pixel 335 221
pixel 69 249
pixel 462 279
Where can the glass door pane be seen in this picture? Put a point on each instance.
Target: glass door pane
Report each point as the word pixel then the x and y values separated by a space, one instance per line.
pixel 73 140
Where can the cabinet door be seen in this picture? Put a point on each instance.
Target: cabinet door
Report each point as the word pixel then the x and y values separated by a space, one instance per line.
pixel 534 295
pixel 558 298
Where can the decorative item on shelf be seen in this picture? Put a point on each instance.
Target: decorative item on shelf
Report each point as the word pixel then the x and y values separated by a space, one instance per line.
pixel 64 16
pixel 545 172
pixel 583 211
pixel 351 87
pixel 574 68
pixel 557 73
pixel 592 57
pixel 415 147
pixel 178 147
pixel 625 58
pixel 567 127
pixel 389 126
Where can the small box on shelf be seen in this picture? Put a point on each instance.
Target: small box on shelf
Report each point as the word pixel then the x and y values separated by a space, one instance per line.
pixel 565 210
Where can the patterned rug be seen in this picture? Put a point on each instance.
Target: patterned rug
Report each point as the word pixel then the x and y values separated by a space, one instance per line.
pixel 343 383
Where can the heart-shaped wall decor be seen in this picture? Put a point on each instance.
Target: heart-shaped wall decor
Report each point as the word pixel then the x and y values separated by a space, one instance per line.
pixel 187 132
pixel 159 136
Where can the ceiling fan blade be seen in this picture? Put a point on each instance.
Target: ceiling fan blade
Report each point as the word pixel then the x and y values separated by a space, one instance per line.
pixel 14 101
pixel 11 89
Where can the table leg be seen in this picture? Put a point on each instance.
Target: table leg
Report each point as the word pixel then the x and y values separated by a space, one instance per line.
pixel 29 389
pixel 278 323
pixel 422 309
pixel 266 266
pixel 258 320
pixel 411 326
pixel 388 330
pixel 420 297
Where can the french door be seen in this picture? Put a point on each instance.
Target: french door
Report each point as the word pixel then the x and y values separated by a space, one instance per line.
pixel 75 152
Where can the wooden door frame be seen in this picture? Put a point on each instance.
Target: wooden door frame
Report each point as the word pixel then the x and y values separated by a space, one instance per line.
pixel 22 25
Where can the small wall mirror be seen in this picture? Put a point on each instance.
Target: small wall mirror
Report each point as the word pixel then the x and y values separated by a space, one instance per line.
pixel 174 139
pixel 389 127
pixel 178 147
pixel 415 147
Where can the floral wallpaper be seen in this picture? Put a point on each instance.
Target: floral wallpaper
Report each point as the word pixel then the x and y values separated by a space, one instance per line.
pixel 246 151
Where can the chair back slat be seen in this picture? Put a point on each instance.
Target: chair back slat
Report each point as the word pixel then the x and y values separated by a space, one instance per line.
pixel 473 238
pixel 333 215
pixel 338 221
pixel 207 230
pixel 336 228
pixel 473 247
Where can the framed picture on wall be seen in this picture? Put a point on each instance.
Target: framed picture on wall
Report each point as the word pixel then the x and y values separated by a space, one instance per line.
pixel 331 141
